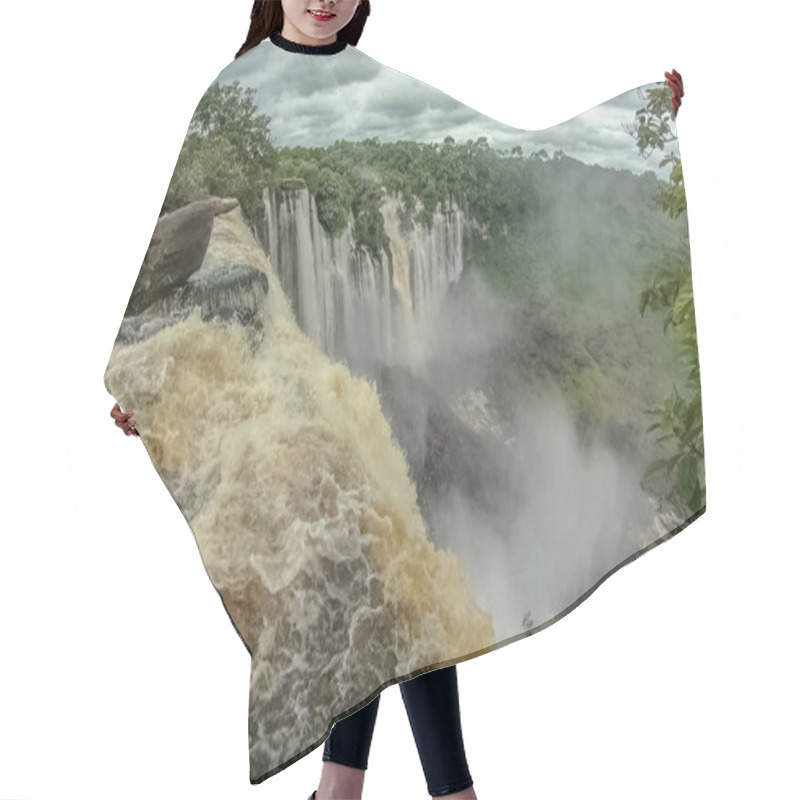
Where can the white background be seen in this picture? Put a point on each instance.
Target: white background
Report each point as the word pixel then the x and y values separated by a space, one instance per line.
pixel 120 673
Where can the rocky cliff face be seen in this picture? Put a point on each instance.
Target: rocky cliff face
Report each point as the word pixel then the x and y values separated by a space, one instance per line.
pixel 182 271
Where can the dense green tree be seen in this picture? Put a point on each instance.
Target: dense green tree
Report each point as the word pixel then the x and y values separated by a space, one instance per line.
pixel 668 289
pixel 227 151
pixel 334 198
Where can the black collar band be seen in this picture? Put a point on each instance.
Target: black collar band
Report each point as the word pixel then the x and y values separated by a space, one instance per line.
pixel 311 49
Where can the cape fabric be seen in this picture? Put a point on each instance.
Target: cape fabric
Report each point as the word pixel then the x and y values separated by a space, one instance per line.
pixel 419 381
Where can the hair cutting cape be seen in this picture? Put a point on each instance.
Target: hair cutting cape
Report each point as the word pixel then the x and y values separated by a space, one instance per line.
pixel 418 380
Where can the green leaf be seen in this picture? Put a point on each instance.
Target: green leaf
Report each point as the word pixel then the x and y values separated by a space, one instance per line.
pixel 687 477
pixel 696 500
pixel 656 466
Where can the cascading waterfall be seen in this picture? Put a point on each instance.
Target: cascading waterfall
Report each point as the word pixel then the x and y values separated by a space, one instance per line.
pixel 498 504
pixel 352 304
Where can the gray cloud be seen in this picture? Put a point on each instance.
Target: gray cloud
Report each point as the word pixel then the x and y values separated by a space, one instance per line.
pixel 314 100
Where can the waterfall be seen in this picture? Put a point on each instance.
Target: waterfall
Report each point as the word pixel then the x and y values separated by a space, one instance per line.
pixel 357 307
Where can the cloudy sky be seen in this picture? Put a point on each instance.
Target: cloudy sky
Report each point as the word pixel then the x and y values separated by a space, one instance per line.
pixel 315 99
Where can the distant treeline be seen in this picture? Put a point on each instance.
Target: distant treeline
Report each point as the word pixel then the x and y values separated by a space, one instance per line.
pixel 228 152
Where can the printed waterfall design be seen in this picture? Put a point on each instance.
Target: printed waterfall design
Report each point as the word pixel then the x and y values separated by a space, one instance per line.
pixel 350 302
pixel 416 394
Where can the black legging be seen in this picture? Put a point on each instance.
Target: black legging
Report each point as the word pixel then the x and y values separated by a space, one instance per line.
pixel 432 706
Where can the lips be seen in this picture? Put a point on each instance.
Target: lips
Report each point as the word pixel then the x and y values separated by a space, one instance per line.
pixel 322 15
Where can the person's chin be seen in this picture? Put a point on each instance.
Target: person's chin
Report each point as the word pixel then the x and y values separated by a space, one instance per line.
pixel 318 38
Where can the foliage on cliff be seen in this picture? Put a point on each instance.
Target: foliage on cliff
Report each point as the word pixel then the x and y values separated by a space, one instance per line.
pixel 678 420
